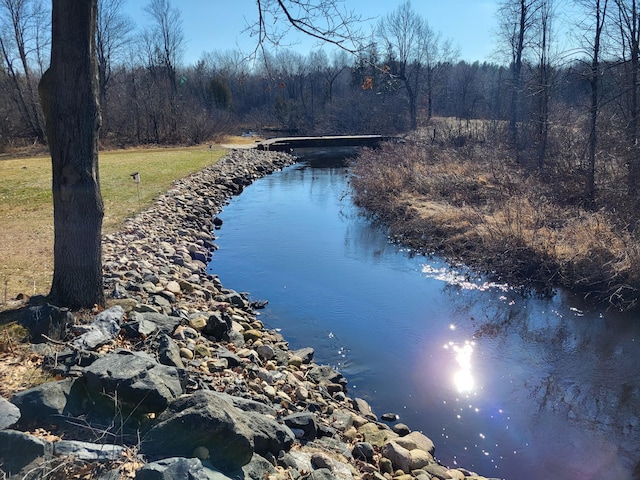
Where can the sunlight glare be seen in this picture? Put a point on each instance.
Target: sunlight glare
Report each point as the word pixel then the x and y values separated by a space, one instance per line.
pixel 463 378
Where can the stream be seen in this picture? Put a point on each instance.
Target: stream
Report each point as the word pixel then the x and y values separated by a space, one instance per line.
pixel 509 386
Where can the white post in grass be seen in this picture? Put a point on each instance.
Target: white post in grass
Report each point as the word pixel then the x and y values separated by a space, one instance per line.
pixel 136 179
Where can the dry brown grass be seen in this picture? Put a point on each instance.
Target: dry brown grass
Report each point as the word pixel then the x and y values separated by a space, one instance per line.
pixel 474 205
pixel 26 213
pixel 238 140
pixel 20 367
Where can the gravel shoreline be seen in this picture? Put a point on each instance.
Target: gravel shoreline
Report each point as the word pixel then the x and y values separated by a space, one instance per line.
pixel 285 417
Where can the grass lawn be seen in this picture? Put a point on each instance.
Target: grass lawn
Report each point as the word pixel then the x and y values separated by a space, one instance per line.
pixel 26 211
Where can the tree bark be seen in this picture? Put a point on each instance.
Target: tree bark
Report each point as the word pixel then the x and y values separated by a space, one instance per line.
pixel 629 19
pixel 516 73
pixel 69 97
pixel 544 87
pixel 600 12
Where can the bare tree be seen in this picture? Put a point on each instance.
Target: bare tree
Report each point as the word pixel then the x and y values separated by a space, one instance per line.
pixel 596 15
pixel 330 70
pixel 287 72
pixel 466 90
pixel 629 28
pixel 405 36
pixel 69 95
pixel 165 38
pixel 324 20
pixel 163 44
pixel 23 43
pixel 232 65
pixel 543 88
pixel 517 20
pixel 439 55
pixel 113 33
pixel 323 73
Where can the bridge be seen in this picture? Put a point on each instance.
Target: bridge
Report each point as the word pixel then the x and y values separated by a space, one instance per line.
pixel 287 144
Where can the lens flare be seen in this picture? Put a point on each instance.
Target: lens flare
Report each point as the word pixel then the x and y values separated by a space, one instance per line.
pixel 463 378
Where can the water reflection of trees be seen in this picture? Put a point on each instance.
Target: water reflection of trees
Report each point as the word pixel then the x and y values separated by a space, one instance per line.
pixel 583 366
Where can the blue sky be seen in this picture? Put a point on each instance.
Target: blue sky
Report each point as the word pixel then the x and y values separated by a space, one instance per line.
pixel 211 25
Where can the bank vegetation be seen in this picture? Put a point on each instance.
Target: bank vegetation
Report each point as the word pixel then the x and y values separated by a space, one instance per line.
pixel 472 202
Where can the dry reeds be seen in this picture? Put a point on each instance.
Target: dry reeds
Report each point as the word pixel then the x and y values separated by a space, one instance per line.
pixel 476 206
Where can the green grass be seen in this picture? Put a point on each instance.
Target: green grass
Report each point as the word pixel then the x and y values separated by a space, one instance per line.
pixel 26 212
pixel 158 169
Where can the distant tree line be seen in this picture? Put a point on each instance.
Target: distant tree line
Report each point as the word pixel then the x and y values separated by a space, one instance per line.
pixel 536 91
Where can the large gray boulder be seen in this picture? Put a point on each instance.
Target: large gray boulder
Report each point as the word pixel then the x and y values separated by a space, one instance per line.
pixel 169 352
pixel 306 354
pixel 167 324
pixel 326 376
pixel 178 468
pixel 104 328
pixel 246 404
pixel 416 440
pixel 48 403
pixel 218 326
pixel 258 468
pixel 321 474
pixel 9 414
pixel 303 423
pixel 88 452
pixel 47 320
pixel 136 381
pixel 363 451
pixel 234 298
pixel 139 329
pixel 222 352
pixel 400 457
pixel 269 436
pixel 362 406
pixel 20 452
pixel 202 420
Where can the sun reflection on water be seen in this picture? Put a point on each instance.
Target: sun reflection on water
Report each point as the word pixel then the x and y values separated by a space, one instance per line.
pixel 463 377
pixel 461 279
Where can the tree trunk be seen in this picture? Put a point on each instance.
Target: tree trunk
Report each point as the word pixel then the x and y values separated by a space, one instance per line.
pixel 544 86
pixel 413 107
pixel 633 179
pixel 69 96
pixel 594 81
pixel 516 75
pixel 429 92
pixel 590 193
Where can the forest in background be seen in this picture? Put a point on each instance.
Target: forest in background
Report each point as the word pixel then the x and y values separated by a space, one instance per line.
pixel 406 73
pixel 564 116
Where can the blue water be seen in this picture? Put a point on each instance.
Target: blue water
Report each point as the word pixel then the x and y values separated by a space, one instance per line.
pixel 509 386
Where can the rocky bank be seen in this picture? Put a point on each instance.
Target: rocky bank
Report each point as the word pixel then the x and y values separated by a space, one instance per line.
pixel 179 379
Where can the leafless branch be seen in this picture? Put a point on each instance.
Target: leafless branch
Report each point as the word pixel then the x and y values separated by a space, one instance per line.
pixel 327 21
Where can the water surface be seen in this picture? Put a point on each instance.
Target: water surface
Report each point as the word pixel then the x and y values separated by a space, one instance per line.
pixel 511 387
